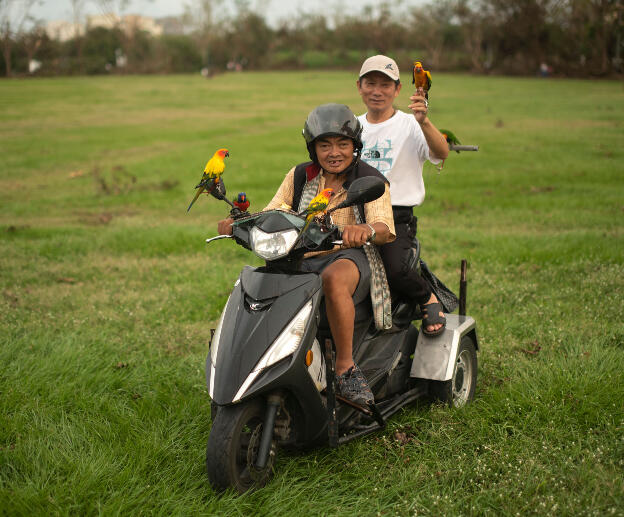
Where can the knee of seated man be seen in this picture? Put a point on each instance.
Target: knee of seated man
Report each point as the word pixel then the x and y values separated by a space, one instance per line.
pixel 343 276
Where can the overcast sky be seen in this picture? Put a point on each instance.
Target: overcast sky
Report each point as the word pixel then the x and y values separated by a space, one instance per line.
pixel 274 10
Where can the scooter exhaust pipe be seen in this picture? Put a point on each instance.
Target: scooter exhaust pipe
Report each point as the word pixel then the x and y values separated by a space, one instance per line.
pixel 264 449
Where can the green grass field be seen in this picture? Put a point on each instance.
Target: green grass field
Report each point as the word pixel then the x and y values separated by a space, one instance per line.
pixel 108 294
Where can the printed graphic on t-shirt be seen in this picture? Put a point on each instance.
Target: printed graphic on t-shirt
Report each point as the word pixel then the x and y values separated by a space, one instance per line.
pixel 379 155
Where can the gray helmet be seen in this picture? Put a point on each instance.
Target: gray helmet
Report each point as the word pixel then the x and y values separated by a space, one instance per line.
pixel 332 120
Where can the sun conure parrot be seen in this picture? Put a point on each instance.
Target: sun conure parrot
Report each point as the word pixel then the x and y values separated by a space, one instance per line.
pixel 421 78
pixel 450 138
pixel 242 203
pixel 212 173
pixel 317 206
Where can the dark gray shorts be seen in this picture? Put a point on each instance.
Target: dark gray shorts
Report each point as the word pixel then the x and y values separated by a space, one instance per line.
pixel 355 255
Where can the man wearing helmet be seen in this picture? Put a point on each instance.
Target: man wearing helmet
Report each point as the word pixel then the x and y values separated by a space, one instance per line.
pixel 398 144
pixel 332 134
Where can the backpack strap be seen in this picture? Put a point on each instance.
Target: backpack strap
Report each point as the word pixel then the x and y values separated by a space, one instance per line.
pixel 304 172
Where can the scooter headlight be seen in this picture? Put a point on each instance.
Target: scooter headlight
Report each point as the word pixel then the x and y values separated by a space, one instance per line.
pixel 285 345
pixel 271 246
pixel 288 341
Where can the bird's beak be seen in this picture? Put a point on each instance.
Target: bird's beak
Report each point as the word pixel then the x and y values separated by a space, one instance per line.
pixel 227 154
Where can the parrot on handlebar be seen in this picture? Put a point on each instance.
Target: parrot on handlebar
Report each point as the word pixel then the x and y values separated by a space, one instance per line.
pixel 212 174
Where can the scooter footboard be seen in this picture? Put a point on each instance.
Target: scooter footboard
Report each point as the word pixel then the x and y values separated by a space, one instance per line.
pixel 434 357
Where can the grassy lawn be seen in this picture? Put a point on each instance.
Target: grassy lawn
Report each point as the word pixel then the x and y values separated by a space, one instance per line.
pixel 108 294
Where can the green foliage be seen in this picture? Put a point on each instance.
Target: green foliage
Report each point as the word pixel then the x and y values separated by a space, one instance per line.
pixel 99 48
pixel 179 54
pixel 108 294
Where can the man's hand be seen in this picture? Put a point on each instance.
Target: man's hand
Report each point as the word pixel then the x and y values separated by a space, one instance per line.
pixel 225 226
pixel 419 105
pixel 355 235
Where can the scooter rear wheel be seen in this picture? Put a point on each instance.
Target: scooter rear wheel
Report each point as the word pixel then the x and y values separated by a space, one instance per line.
pixel 233 448
pixel 459 390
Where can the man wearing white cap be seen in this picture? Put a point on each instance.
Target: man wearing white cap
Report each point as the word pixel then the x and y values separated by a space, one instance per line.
pixel 398 144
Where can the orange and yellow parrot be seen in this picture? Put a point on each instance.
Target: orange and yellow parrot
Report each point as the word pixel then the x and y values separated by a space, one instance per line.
pixel 317 206
pixel 421 78
pixel 212 173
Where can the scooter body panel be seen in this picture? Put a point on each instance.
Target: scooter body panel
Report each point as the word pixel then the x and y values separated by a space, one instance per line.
pixel 251 325
pixel 435 357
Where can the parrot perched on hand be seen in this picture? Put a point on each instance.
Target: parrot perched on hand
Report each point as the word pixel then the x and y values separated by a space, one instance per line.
pixel 212 174
pixel 242 203
pixel 450 138
pixel 317 206
pixel 421 78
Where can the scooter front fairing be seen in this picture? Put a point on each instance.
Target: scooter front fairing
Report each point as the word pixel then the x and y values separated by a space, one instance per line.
pixel 262 306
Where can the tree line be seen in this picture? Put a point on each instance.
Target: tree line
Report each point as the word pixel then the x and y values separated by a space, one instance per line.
pixel 517 37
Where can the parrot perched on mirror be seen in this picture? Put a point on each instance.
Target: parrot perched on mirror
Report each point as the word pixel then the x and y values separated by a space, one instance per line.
pixel 317 206
pixel 450 138
pixel 421 78
pixel 212 174
pixel 242 203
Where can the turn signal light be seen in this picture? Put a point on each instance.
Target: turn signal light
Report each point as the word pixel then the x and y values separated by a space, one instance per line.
pixel 309 357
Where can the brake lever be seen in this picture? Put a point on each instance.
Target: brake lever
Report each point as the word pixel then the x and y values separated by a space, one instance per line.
pixel 219 237
pixel 339 243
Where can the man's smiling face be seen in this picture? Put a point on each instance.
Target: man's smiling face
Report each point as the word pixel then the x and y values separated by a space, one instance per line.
pixel 334 153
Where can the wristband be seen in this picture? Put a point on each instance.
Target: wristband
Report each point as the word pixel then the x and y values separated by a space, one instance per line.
pixel 372 235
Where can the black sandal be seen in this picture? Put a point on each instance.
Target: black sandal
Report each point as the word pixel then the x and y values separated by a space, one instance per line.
pixel 432 311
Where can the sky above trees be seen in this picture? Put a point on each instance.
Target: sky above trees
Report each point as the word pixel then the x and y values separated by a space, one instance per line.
pixel 273 10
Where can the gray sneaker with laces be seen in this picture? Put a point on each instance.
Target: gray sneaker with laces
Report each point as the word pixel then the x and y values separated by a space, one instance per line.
pixel 353 386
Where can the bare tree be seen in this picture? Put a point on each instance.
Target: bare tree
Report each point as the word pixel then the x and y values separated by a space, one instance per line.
pixel 14 15
pixel 429 26
pixel 200 17
pixel 77 7
pixel 32 40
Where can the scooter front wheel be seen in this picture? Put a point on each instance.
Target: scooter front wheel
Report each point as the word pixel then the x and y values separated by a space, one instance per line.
pixel 233 448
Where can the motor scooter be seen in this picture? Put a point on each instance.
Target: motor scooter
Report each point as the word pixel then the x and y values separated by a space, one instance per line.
pixel 270 371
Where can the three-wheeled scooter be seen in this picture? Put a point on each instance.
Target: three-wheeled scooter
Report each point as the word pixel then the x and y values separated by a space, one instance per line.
pixel 270 371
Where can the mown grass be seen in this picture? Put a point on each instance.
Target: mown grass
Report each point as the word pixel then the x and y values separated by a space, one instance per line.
pixel 109 294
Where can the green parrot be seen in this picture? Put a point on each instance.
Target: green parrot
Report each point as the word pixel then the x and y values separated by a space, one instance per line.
pixel 450 138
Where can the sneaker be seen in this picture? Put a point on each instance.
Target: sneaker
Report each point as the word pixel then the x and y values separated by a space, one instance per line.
pixel 353 386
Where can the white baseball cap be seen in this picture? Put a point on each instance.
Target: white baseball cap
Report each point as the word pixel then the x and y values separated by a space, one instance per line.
pixel 384 64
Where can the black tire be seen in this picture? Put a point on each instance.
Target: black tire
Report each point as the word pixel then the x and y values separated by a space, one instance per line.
pixel 460 389
pixel 233 446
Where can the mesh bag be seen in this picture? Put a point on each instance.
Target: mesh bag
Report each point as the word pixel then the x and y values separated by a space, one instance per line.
pixel 447 298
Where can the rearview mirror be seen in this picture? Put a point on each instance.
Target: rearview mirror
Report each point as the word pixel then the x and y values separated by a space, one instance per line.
pixel 362 190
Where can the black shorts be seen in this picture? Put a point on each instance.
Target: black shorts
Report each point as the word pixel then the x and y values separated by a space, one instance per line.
pixel 356 255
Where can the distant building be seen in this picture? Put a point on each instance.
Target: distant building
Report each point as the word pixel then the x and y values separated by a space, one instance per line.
pixel 128 23
pixel 62 30
pixel 171 25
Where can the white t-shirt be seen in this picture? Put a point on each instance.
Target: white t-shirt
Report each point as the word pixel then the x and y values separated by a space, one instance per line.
pixel 398 149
